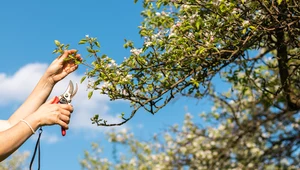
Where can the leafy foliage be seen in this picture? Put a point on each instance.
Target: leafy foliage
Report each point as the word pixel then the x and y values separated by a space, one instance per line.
pixel 253 45
pixel 188 42
pixel 244 131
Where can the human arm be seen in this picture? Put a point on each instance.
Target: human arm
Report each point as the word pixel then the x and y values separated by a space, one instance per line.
pixel 57 70
pixel 48 114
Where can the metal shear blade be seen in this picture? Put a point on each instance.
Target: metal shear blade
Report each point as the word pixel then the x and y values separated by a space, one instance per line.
pixel 69 93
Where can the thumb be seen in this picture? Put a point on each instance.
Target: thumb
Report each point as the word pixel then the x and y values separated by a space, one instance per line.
pixel 64 56
pixel 54 100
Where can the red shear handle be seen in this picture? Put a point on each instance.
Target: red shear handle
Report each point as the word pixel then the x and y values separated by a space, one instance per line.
pixel 56 101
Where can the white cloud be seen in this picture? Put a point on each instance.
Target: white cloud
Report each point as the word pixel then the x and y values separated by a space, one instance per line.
pixel 18 86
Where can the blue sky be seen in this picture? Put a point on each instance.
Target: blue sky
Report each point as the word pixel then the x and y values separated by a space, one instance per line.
pixel 28 30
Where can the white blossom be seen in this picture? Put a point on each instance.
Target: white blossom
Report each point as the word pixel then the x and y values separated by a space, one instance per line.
pixel 136 51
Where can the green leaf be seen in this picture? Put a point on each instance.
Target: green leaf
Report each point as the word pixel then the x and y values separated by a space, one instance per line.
pixel 200 50
pixel 158 4
pixel 122 115
pixel 252 27
pixel 90 50
pixel 57 43
pixel 198 24
pixel 176 5
pixel 77 62
pixel 83 41
pixel 97 44
pixel 143 32
pixel 67 46
pixel 90 94
pixel 273 38
pixel 244 31
pixel 279 2
pixel 82 79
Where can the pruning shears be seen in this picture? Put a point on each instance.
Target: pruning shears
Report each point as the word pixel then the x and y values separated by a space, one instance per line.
pixel 66 98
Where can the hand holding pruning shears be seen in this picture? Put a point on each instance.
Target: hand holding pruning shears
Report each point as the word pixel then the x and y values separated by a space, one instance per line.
pixel 66 98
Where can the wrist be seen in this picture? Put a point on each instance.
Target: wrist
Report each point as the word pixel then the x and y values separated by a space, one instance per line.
pixel 47 81
pixel 32 122
pixel 28 124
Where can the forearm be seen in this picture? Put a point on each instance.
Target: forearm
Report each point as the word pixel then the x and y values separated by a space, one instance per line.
pixel 12 138
pixel 4 124
pixel 37 97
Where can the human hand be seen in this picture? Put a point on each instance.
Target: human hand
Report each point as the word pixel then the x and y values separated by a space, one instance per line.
pixel 62 66
pixel 50 114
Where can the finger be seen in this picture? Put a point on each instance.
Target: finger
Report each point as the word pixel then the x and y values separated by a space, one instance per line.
pixel 72 51
pixel 65 112
pixel 66 107
pixel 68 110
pixel 70 63
pixel 62 120
pixel 63 124
pixel 54 100
pixel 66 54
pixel 65 118
pixel 63 56
pixel 71 69
pixel 78 56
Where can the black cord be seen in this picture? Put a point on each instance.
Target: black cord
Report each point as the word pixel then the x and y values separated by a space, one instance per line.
pixel 37 147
